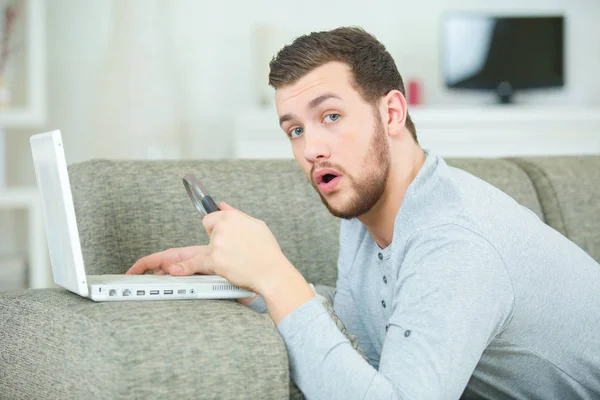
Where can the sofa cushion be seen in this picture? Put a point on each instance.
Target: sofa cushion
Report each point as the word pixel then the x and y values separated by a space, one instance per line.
pixel 569 192
pixel 57 345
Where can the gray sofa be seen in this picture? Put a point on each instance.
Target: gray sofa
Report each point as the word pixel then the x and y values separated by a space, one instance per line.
pixel 56 345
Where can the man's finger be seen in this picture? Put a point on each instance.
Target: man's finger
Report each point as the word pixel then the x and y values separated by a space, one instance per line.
pixel 183 268
pixel 189 267
pixel 162 259
pixel 144 264
pixel 226 207
pixel 210 220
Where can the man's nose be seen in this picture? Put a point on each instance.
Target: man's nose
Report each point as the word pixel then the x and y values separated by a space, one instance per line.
pixel 316 146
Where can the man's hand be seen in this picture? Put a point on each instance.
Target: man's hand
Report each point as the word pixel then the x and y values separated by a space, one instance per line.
pixel 242 249
pixel 176 261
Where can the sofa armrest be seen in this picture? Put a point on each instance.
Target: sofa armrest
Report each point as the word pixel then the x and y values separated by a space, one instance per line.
pixel 55 344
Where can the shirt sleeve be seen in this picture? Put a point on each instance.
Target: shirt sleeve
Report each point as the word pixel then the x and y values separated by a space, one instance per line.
pixel 453 295
pixel 258 304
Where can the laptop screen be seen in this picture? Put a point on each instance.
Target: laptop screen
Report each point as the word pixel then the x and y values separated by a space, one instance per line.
pixel 59 212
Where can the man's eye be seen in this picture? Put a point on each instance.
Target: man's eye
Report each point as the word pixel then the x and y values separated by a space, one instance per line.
pixel 331 117
pixel 296 132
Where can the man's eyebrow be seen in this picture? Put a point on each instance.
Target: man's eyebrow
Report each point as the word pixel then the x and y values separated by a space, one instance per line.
pixel 318 100
pixel 285 118
pixel 312 104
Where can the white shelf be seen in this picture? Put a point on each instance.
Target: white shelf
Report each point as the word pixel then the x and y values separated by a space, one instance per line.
pixel 29 115
pixel 476 131
pixel 510 114
pixel 34 112
pixel 425 117
pixel 29 199
pixel 22 117
pixel 18 197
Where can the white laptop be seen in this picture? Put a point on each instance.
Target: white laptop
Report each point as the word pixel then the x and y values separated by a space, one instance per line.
pixel 65 249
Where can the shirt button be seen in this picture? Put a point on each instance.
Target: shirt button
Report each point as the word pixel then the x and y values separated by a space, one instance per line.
pixel 383 303
pixel 380 256
pixel 387 327
pixel 384 280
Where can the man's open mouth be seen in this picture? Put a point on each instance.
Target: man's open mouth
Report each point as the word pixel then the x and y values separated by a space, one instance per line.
pixel 327 179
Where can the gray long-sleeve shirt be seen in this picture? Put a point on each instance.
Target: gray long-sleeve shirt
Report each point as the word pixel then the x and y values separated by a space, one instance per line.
pixel 475 297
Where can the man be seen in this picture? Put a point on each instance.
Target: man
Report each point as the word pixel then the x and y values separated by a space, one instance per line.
pixel 449 285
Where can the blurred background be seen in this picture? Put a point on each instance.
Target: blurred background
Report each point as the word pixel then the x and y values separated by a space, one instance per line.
pixel 157 79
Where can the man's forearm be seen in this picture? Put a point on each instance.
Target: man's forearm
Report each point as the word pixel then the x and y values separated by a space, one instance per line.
pixel 247 300
pixel 285 291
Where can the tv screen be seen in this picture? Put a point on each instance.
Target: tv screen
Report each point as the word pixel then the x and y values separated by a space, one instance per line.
pixel 483 52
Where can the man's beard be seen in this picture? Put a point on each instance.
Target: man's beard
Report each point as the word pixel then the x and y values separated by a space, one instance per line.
pixel 370 185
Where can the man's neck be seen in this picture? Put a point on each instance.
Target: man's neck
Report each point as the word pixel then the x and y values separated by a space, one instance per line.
pixel 379 221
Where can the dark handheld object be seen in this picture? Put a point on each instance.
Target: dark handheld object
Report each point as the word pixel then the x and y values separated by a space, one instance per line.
pixel 199 196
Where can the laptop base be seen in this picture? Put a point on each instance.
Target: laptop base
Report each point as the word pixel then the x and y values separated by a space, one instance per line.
pixel 162 287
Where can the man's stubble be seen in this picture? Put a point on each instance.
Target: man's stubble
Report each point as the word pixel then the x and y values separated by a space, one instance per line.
pixel 369 187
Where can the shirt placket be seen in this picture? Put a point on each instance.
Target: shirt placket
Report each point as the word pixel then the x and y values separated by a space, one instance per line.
pixel 384 284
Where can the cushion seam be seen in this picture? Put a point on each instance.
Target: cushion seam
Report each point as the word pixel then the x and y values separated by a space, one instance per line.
pixel 563 225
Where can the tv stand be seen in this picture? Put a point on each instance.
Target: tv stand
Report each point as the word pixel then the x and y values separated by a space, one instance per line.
pixel 505 92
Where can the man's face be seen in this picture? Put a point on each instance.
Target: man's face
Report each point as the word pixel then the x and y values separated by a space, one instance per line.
pixel 338 139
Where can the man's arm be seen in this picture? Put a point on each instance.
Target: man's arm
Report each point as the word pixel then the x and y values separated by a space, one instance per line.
pixel 258 303
pixel 453 296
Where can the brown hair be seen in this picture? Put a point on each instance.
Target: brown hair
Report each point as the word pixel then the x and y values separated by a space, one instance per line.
pixel 373 68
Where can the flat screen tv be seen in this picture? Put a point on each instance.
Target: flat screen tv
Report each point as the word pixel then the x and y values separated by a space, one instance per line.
pixel 502 53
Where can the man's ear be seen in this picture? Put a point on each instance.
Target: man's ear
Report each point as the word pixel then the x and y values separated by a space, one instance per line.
pixel 396 110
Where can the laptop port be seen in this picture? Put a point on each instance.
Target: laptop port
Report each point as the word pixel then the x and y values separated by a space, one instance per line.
pixel 154 291
pixel 181 291
pixel 126 292
pixel 112 292
pixel 168 292
pixel 141 292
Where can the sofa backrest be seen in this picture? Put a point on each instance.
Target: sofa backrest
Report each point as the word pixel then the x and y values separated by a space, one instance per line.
pixel 569 192
pixel 128 209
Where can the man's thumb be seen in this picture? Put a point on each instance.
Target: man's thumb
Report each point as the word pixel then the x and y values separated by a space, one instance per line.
pixel 226 207
pixel 192 266
pixel 182 268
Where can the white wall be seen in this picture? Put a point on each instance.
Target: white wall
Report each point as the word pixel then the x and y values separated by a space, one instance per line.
pixel 210 53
